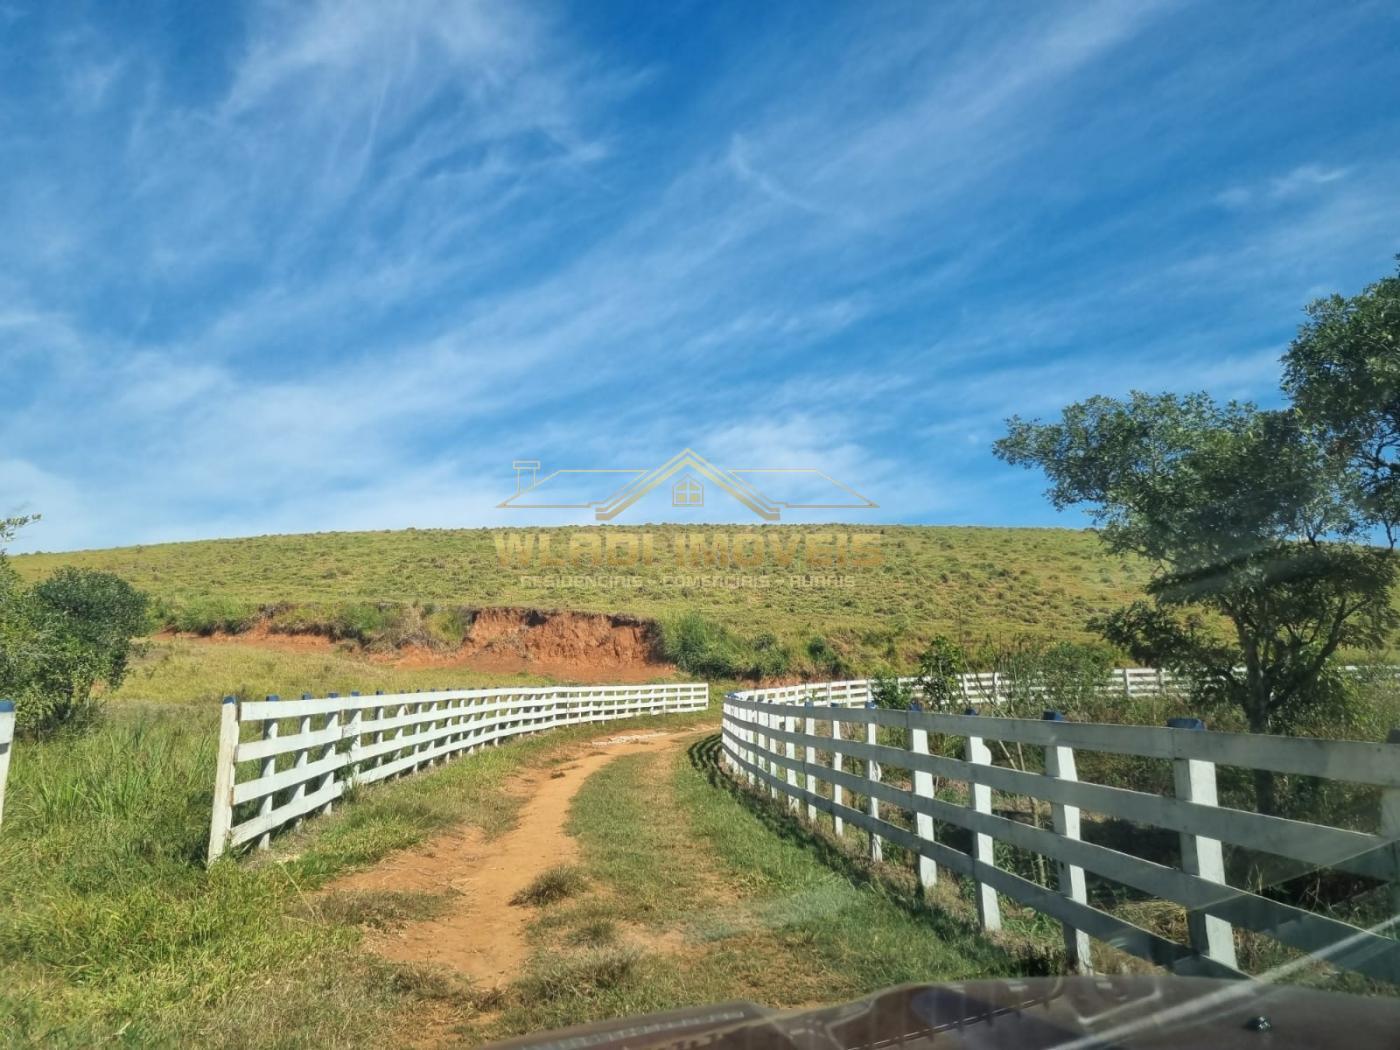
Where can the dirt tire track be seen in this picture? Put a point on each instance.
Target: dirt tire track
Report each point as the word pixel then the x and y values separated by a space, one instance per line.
pixel 483 935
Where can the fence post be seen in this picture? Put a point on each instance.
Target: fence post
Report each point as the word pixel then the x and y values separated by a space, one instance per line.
pixel 269 766
pixel 838 793
pixel 770 748
pixel 811 757
pixel 302 755
pixel 872 774
pixel 750 735
pixel 352 732
pixel 222 821
pixel 1200 856
pixel 979 798
pixel 1059 763
pixel 7 736
pixel 923 788
pixel 1127 684
pixel 332 722
pixel 1390 822
pixel 790 724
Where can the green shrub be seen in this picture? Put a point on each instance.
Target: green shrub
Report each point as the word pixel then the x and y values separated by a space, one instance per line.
pixel 206 616
pixel 60 639
pixel 448 627
pixel 941 666
pixel 699 645
pixel 825 659
pixel 889 692
pixel 365 622
pixel 770 657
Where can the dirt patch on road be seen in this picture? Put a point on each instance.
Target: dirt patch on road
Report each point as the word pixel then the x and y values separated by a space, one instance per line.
pixel 482 934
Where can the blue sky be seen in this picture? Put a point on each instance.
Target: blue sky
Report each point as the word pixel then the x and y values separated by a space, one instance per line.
pixel 298 267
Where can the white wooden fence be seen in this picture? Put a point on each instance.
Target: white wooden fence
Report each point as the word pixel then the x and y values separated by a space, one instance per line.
pixel 781 740
pixel 283 760
pixel 7 740
pixel 990 686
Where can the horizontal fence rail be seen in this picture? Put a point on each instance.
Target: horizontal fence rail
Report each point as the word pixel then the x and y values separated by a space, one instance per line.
pixel 996 686
pixel 7 741
pixel 281 761
pixel 824 756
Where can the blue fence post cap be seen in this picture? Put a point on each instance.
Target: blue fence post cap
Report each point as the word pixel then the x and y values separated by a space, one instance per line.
pixel 1185 723
pixel 807 702
pixel 6 706
pixel 354 692
pixel 228 700
pixel 332 696
pixel 870 705
pixel 379 692
pixel 1051 716
pixel 306 696
pixel 914 705
pixel 969 710
pixel 273 698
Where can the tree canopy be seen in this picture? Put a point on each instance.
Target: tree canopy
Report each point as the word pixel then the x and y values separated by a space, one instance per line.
pixel 1270 532
pixel 62 637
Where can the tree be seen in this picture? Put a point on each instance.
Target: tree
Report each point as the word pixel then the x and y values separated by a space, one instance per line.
pixel 62 637
pixel 1251 523
pixel 102 611
pixel 941 667
pixel 1343 373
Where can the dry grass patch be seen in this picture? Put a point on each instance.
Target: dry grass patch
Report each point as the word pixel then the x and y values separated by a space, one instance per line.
pixel 382 909
pixel 554 884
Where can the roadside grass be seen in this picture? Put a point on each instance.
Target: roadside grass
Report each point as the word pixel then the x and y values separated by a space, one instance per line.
pixel 113 932
pixel 694 899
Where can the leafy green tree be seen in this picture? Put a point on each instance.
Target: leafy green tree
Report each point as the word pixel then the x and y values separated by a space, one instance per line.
pixel 941 667
pixel 61 638
pixel 1254 532
pixel 100 611
pixel 1343 373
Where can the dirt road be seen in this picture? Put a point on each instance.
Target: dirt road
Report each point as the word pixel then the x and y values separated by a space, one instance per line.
pixel 482 935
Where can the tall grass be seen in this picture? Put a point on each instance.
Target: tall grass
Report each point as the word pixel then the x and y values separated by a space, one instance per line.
pixel 113 932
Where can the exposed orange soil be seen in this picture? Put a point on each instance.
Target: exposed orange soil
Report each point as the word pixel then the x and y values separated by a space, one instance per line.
pixel 584 647
pixel 259 635
pixel 482 935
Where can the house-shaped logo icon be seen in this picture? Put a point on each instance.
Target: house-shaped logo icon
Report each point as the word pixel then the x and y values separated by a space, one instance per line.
pixel 687 493
pixel 608 492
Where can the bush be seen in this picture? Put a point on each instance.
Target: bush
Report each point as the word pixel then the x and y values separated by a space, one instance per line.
pixel 770 657
pixel 941 667
pixel 1064 677
pixel 825 659
pixel 448 627
pixel 60 639
pixel 206 616
pixel 889 692
pixel 698 645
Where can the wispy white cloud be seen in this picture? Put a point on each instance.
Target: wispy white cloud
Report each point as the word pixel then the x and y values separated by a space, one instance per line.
pixel 384 249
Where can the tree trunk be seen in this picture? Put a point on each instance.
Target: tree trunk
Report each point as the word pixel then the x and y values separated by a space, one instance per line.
pixel 1265 780
pixel 1258 713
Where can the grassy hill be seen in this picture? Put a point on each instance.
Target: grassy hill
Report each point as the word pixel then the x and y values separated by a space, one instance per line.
pixel 977 584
